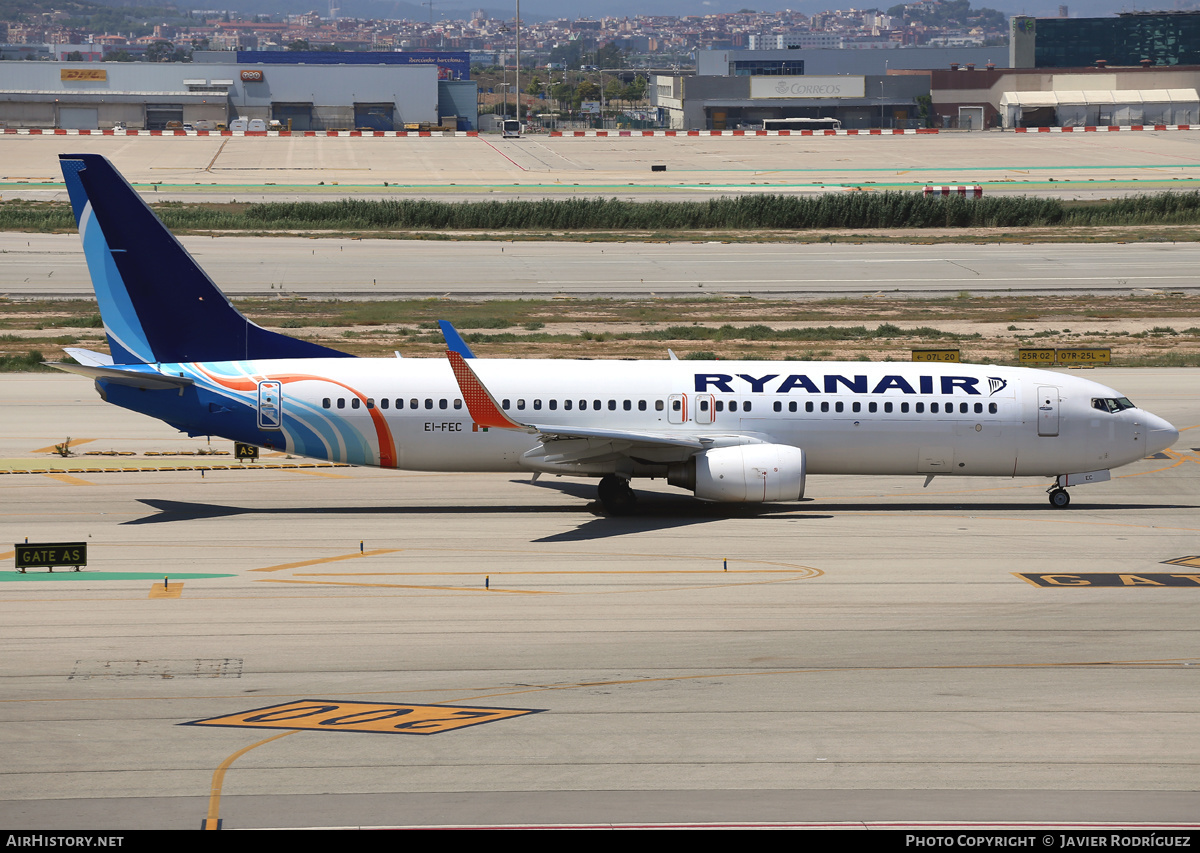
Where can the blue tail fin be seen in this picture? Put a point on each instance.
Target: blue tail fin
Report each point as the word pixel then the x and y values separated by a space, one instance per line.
pixel 156 302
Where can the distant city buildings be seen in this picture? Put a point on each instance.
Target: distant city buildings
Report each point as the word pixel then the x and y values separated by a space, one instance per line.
pixel 644 40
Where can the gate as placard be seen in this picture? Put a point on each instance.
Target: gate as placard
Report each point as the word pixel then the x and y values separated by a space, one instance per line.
pixel 1047 411
pixel 270 404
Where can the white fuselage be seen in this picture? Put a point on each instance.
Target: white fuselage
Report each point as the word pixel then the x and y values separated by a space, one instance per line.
pixel 847 417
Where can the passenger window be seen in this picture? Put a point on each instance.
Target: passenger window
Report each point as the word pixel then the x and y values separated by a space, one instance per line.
pixel 904 408
pixel 521 404
pixel 746 406
pixel 824 405
pixel 553 404
pixel 979 408
pixel 537 405
pixel 856 407
pixel 413 404
pixel 778 406
pixel 641 405
pixel 628 406
pixel 457 403
pixel 370 402
pixel 992 408
pixel 873 407
pixel 612 405
pixel 963 407
pixel 808 405
pixel 443 403
pixel 384 403
pixel 792 406
pixel 839 406
pixel 355 402
pixel 429 402
pixel 326 403
pixel 920 408
pixel 733 405
pixel 933 408
pixel 887 408
pixel 596 405
pixel 341 402
pixel 567 404
pixel 658 405
pixel 583 405
pixel 506 403
pixel 720 405
pixel 703 405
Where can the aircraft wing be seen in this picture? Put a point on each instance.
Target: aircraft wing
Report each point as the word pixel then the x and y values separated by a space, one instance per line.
pixel 579 443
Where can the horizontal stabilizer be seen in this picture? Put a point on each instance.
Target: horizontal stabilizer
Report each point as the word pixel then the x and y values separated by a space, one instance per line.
pixel 148 379
pixel 87 356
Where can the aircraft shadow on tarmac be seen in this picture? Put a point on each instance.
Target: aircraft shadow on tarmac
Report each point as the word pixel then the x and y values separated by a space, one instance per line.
pixel 655 511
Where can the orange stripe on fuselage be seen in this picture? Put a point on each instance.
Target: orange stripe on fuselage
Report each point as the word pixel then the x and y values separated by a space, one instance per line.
pixel 383 433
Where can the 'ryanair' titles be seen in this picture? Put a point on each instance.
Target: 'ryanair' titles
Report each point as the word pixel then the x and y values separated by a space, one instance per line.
pixel 834 383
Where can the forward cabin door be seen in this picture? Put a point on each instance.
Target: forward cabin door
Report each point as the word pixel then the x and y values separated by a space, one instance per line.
pixel 677 409
pixel 1047 410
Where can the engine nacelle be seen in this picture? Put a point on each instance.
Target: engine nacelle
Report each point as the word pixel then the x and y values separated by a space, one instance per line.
pixel 752 473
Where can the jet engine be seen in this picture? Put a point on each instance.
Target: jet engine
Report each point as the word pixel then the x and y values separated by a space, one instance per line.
pixel 746 473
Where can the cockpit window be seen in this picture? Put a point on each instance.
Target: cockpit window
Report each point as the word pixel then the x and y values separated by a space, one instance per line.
pixel 1112 404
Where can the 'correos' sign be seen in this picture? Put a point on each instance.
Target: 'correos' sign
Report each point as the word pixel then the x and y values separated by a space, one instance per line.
pixel 807 87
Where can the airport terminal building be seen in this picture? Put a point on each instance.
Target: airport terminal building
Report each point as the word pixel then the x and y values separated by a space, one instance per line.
pixel 381 91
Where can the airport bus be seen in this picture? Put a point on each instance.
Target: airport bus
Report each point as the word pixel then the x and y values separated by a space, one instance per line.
pixel 510 128
pixel 802 124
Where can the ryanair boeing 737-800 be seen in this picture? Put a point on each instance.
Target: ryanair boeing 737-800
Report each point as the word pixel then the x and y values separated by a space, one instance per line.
pixel 727 431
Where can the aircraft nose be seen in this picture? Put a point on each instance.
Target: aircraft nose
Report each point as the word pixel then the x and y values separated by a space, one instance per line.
pixel 1159 434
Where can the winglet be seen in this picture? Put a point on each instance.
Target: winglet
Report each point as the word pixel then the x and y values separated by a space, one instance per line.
pixel 454 340
pixel 484 409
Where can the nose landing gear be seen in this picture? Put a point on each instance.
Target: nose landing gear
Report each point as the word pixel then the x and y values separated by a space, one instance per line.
pixel 1059 497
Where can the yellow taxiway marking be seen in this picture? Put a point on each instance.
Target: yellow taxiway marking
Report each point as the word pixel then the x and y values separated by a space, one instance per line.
pixel 415 586
pixel 172 591
pixel 75 442
pixel 67 478
pixel 323 474
pixel 218 779
pixel 582 572
pixel 321 560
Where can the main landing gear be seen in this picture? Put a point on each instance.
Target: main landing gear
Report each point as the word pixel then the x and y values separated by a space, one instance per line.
pixel 616 495
pixel 1059 497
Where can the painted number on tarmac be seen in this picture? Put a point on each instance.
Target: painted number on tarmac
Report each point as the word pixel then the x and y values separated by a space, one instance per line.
pixel 380 717
pixel 1114 579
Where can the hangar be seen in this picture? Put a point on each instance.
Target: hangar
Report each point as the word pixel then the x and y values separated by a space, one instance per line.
pixel 220 86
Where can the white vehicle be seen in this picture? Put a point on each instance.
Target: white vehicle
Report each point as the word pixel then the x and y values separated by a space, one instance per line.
pixel 242 124
pixel 724 430
pixel 510 128
pixel 257 124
